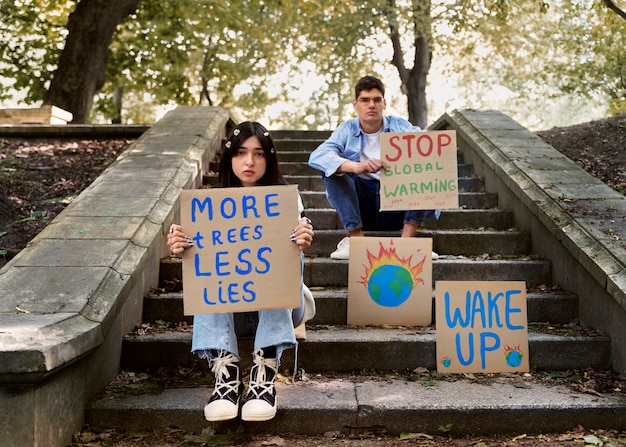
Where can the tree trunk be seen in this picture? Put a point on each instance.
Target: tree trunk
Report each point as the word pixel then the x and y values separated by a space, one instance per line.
pixel 413 80
pixel 81 71
pixel 415 84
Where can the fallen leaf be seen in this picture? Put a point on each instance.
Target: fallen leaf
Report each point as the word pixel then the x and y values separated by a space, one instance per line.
pixel 276 440
pixel 405 435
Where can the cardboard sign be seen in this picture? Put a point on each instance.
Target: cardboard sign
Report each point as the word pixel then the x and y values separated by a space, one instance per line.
pixel 482 326
pixel 242 259
pixel 390 281
pixel 422 172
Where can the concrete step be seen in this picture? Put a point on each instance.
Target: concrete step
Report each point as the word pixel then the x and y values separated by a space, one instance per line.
pixel 332 307
pixel 503 405
pixel 335 397
pixel 555 307
pixel 343 348
pixel 454 219
pixel 445 242
pixel 326 272
pixel 471 200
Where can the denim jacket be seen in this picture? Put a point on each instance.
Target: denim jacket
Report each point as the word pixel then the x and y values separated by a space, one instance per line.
pixel 347 142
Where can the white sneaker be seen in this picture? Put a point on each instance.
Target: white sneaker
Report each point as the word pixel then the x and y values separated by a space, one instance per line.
pixel 260 404
pixel 224 402
pixel 343 250
pixel 435 256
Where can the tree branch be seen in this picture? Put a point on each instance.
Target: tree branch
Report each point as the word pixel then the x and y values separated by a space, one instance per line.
pixel 394 35
pixel 613 7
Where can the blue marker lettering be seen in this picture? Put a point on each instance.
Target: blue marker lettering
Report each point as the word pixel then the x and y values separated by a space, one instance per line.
pixel 206 298
pixel 263 260
pixel 219 264
pixel 233 293
pixel 510 310
pixel 492 306
pixel 484 348
pixel 269 205
pixel 457 318
pixel 206 203
pixel 216 237
pixel 196 261
pixel 219 294
pixel 247 287
pixel 459 354
pixel 248 203
pixel 257 233
pixel 198 240
pixel 478 308
pixel 248 264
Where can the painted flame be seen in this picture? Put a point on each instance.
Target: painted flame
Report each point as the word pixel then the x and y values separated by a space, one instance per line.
pixel 387 256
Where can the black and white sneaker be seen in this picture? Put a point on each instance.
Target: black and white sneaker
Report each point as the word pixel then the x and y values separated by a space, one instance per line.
pixel 260 402
pixel 224 402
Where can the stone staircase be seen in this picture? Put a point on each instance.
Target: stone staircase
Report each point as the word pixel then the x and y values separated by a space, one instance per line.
pixel 354 377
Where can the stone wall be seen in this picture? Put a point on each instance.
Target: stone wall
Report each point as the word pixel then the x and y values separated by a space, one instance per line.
pixel 67 300
pixel 576 220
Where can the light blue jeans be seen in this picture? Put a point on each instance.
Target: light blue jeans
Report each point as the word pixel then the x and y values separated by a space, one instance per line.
pixel 357 202
pixel 274 328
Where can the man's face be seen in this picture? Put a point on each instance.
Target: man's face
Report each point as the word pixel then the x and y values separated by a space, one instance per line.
pixel 369 106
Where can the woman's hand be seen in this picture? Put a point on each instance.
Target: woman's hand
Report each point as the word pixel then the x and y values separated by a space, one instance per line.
pixel 177 241
pixel 302 235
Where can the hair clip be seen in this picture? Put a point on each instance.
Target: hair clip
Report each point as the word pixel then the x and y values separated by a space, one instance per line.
pixel 236 132
pixel 273 151
pixel 266 134
pixel 227 144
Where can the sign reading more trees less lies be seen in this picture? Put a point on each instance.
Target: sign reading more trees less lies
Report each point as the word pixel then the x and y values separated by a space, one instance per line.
pixel 242 259
pixel 421 170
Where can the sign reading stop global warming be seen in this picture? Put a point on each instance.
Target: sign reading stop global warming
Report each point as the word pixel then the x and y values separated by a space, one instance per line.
pixel 242 259
pixel 421 170
pixel 481 326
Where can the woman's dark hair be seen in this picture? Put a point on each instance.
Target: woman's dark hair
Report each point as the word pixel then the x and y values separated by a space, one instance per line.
pixel 238 135
pixel 368 83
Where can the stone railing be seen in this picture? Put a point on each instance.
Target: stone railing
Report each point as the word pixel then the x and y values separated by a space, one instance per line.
pixel 67 300
pixel 576 220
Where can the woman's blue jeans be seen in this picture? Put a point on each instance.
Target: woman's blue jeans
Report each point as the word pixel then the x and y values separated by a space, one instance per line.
pixel 216 332
pixel 357 201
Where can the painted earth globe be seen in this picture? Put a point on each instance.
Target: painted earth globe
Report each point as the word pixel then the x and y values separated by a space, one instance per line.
pixel 514 358
pixel 390 285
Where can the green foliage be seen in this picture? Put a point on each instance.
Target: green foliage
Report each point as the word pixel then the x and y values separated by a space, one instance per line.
pixel 543 50
pixel 257 58
pixel 32 34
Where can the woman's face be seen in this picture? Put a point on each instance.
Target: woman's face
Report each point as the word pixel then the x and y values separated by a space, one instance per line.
pixel 249 162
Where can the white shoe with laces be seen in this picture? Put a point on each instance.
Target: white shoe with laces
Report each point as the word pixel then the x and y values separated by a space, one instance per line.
pixel 224 402
pixel 260 402
pixel 343 250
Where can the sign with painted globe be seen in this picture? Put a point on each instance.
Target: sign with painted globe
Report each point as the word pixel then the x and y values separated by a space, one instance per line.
pixel 390 281
pixel 482 326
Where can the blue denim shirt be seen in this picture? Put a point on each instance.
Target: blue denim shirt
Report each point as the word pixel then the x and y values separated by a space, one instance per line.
pixel 347 142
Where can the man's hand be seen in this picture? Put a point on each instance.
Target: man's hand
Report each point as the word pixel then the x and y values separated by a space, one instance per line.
pixel 364 167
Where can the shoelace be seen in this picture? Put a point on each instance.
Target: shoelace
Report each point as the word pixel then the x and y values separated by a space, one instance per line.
pixel 220 369
pixel 260 385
